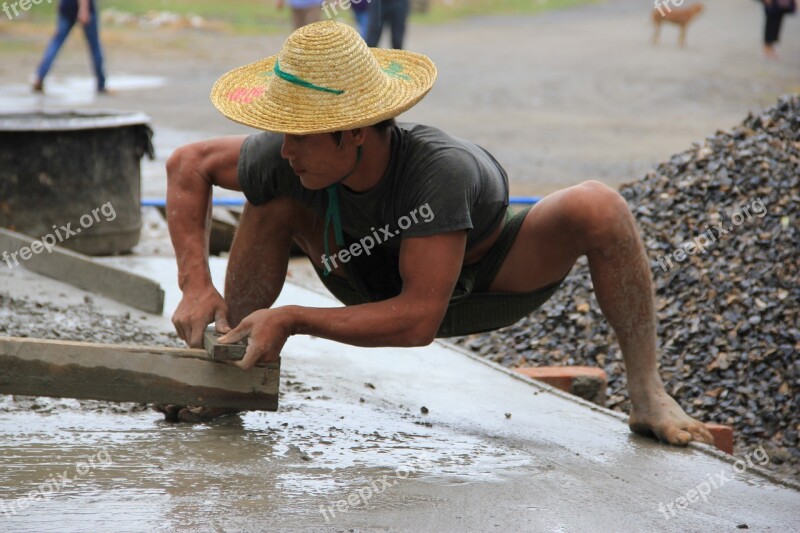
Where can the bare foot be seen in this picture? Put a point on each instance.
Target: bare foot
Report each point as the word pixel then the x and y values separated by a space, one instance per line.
pixel 770 52
pixel 661 416
pixel 179 413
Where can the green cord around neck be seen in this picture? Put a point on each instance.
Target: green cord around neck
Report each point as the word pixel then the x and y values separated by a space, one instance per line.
pixel 333 213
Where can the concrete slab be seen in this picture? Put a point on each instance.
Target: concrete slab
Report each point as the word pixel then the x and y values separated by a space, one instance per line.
pixel 82 271
pixel 350 449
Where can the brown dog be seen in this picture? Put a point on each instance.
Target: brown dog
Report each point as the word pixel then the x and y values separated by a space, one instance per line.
pixel 682 16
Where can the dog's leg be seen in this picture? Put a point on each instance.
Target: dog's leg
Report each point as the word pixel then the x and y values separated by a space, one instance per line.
pixel 657 31
pixel 682 38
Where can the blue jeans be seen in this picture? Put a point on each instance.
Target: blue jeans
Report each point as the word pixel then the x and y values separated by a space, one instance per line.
pixel 393 12
pixel 64 26
pixel 362 19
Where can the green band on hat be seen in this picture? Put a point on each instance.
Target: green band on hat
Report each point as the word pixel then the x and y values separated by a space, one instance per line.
pixel 302 83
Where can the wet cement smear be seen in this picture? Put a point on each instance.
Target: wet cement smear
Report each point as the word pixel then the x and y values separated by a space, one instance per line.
pixel 229 474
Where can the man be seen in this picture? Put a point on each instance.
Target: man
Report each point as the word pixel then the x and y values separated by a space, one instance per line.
pixel 69 12
pixel 405 224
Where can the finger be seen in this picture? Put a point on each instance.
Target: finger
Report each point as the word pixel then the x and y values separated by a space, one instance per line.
pixel 221 322
pixel 179 328
pixel 235 335
pixel 251 357
pixel 196 335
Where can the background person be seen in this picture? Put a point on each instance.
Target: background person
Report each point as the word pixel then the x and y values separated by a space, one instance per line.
pixel 70 11
pixel 774 11
pixel 391 12
pixel 303 11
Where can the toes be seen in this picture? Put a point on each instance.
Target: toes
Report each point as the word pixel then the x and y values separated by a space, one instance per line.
pixel 700 433
pixel 676 436
pixel 669 433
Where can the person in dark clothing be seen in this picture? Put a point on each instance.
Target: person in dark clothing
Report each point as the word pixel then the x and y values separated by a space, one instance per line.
pixel 69 12
pixel 392 12
pixel 774 11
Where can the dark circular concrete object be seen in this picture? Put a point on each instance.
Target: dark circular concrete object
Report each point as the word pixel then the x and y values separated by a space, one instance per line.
pixel 75 176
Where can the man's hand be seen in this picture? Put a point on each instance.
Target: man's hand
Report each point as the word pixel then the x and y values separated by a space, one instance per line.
pixel 268 330
pixel 84 12
pixel 198 308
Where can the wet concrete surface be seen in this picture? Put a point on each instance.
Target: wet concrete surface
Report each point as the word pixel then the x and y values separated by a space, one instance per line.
pixel 351 449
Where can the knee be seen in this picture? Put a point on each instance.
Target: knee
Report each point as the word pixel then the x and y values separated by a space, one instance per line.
pixel 596 211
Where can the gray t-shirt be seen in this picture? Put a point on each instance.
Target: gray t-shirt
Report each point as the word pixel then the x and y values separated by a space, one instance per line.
pixel 435 183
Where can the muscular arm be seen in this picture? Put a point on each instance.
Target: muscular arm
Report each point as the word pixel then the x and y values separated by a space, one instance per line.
pixel 429 267
pixel 191 172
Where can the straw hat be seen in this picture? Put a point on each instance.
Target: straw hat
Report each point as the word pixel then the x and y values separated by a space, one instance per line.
pixel 324 79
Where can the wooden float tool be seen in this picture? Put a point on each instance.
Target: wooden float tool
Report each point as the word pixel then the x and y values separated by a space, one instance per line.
pixel 142 374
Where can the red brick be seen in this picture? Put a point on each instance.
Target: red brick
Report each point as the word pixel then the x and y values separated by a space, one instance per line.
pixel 572 379
pixel 723 437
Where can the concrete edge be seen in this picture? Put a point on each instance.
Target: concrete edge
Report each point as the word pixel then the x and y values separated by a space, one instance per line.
pixel 83 272
pixel 708 449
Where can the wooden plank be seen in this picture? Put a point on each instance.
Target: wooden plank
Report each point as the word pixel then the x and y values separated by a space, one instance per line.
pixel 222 352
pixel 38 367
pixel 81 271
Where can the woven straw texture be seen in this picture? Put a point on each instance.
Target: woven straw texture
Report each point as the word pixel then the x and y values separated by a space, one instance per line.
pixel 374 84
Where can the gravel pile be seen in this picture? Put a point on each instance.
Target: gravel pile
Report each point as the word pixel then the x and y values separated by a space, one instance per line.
pixel 720 224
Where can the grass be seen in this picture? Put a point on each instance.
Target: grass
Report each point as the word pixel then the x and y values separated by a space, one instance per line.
pixel 260 16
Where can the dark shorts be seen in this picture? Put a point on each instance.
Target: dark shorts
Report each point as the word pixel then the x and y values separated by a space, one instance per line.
pixel 472 308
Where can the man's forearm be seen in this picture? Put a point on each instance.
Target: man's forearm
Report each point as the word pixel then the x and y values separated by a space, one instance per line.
pixel 188 219
pixel 395 322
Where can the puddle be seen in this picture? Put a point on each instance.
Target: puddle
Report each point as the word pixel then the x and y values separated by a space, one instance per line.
pixel 70 91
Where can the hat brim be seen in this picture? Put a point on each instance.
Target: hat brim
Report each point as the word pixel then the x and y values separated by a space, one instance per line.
pixel 254 96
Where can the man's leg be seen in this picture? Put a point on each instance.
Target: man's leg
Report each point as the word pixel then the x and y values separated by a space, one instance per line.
pixel 92 33
pixel 374 23
pixel 63 27
pixel 593 220
pixel 259 255
pixel 397 16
